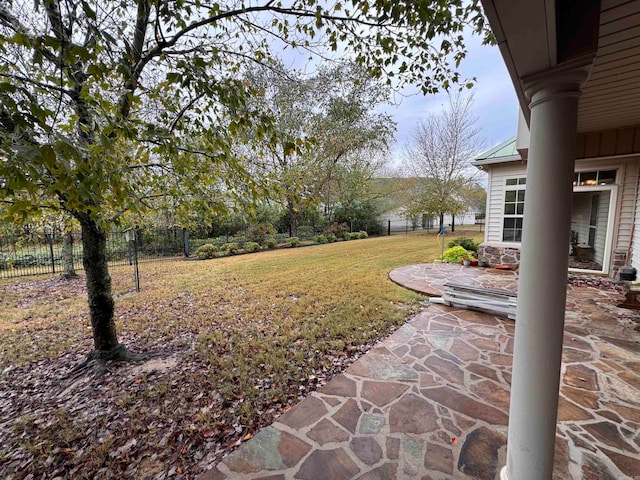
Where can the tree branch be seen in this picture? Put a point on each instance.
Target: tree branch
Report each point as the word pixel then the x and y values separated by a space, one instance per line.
pixel 46 86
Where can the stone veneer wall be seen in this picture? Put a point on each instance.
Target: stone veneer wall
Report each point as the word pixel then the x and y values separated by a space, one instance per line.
pixel 499 255
pixel 619 260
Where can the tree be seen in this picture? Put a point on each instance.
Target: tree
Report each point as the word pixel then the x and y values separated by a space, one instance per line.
pixel 443 145
pixel 105 105
pixel 324 124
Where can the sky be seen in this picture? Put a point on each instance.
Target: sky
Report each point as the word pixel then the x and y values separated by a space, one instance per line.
pixel 495 101
pixel 496 104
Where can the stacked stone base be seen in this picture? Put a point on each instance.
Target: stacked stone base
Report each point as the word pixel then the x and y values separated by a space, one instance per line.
pixel 500 255
pixel 619 260
pixel 497 255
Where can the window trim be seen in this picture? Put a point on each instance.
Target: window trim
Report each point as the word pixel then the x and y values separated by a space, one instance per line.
pixel 520 185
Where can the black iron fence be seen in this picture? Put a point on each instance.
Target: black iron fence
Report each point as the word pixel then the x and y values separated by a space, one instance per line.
pixel 405 226
pixel 40 253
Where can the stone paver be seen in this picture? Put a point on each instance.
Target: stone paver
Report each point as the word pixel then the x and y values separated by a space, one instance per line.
pixel 431 401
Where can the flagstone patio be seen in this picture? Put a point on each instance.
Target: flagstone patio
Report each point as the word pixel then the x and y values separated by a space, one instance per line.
pixel 432 400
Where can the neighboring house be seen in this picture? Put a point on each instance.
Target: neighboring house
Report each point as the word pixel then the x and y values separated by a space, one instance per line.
pixel 604 206
pixel 395 193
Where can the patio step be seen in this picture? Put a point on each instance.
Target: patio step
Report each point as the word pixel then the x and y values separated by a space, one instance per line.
pixel 491 300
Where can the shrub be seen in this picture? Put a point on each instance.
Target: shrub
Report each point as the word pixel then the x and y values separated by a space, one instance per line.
pixel 305 232
pixel 270 242
pixel 251 247
pixel 293 241
pixel 207 250
pixel 362 234
pixel 455 254
pixel 320 239
pixel 467 243
pixel 338 229
pixel 259 232
pixel 331 237
pixel 231 247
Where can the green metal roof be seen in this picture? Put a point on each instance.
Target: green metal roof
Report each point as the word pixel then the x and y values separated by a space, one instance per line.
pixel 504 150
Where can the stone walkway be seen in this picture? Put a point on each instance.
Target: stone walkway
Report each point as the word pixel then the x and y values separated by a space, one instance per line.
pixel 432 400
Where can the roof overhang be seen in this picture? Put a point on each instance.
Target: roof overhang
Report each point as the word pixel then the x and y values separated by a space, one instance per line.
pixel 536 36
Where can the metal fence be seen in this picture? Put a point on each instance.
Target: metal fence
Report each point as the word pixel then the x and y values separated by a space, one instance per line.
pixel 39 253
pixel 405 226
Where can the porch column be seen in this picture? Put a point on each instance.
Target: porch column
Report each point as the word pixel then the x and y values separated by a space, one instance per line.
pixel 543 274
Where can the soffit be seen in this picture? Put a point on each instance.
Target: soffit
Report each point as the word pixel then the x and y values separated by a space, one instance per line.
pixel 611 96
pixel 525 32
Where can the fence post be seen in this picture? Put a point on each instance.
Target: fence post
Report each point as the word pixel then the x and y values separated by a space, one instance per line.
pixel 136 273
pixel 388 228
pixel 185 241
pixel 49 236
pixel 129 253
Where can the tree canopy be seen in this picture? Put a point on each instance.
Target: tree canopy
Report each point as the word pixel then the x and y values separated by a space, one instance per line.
pixel 326 129
pixel 104 105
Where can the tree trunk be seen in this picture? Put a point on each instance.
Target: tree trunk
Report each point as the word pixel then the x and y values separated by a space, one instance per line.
pixel 101 304
pixel 441 221
pixel 453 223
pixel 293 219
pixel 69 270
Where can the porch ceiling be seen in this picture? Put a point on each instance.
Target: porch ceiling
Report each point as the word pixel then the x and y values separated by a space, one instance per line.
pixel 526 34
pixel 611 96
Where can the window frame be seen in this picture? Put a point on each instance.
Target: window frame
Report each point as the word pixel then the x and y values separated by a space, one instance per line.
pixel 517 185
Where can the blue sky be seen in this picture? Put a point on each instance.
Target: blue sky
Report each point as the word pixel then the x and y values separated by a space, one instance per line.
pixel 496 105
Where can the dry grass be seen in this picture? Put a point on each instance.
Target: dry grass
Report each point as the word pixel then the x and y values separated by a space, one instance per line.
pixel 258 330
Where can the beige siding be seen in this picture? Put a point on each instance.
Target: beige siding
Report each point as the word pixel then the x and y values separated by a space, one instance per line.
pixel 627 181
pixel 635 254
pixel 580 217
pixel 627 204
pixel 495 198
pixel 621 141
pixel 601 227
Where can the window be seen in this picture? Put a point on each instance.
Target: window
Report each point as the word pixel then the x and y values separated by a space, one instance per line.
pixel 513 209
pixel 598 177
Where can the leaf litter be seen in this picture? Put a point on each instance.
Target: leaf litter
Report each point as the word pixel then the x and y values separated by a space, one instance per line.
pixel 175 415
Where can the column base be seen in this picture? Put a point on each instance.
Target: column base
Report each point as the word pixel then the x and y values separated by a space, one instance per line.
pixel 503 474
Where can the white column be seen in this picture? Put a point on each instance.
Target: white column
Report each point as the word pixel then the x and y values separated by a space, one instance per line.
pixel 543 275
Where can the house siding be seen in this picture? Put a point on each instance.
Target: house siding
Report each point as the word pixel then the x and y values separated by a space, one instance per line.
pixel 625 214
pixel 495 199
pixel 601 228
pixel 635 255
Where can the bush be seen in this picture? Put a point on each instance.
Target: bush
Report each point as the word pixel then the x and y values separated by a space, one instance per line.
pixel 320 239
pixel 293 241
pixel 259 232
pixel 206 251
pixel 305 232
pixel 270 242
pixel 362 234
pixel 331 237
pixel 251 247
pixel 338 229
pixel 467 243
pixel 231 247
pixel 455 254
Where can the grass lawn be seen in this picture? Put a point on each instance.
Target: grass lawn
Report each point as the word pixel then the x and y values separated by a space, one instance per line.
pixel 238 341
